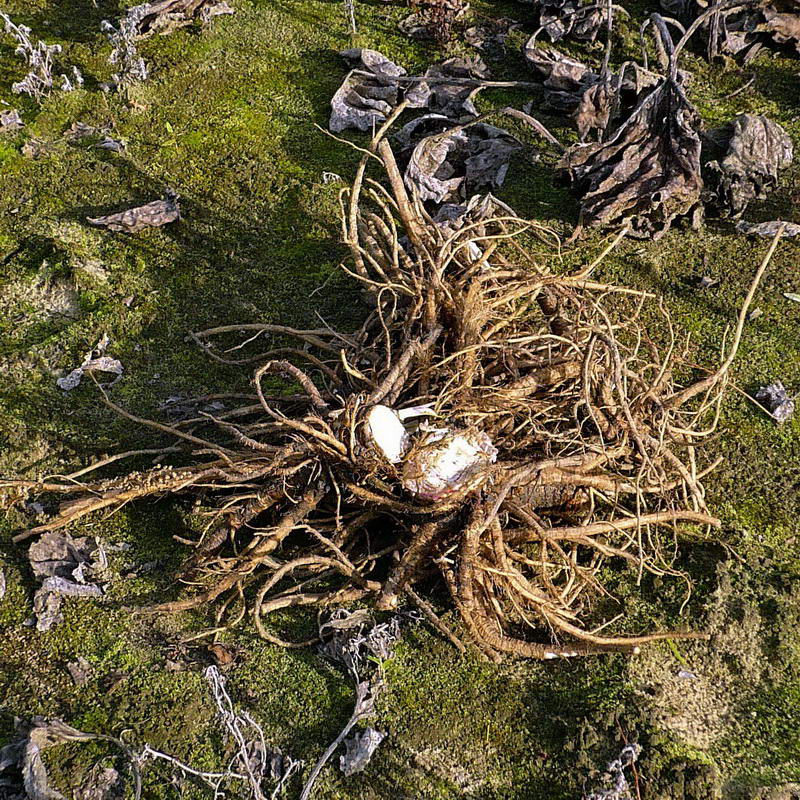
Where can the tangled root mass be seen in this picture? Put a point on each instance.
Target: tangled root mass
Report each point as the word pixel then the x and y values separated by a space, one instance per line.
pixel 492 427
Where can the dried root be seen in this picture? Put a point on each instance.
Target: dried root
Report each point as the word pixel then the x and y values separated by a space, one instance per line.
pixel 493 426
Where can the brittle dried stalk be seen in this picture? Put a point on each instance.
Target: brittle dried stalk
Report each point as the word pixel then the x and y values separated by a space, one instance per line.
pixel 539 436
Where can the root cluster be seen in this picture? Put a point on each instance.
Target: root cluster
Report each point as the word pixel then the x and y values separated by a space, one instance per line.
pixel 527 436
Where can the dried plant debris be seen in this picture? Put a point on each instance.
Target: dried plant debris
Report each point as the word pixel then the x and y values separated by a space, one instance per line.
pixel 165 16
pixel 360 748
pixel 616 782
pixel 576 19
pixel 10 121
pixel 763 23
pixel 446 164
pixel 134 220
pixel 375 86
pixel 707 282
pixel 64 564
pixel 80 670
pixel 57 554
pixel 490 35
pixel 259 771
pixel 781 22
pixel 593 100
pixel 742 29
pixel 79 131
pixel 368 94
pixel 433 19
pixel 355 641
pixel 777 401
pixel 95 360
pixel 647 172
pixel 757 150
pixel 768 229
pixel 131 67
pixel 22 767
pixel 565 79
pixel 146 19
pixel 366 692
pixel 104 783
pixel 478 210
pixel 178 407
pixel 454 100
pixel 40 59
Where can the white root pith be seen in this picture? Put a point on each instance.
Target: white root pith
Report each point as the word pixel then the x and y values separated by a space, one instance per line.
pixel 388 433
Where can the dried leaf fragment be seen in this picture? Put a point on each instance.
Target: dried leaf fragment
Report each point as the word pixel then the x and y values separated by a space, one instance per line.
pixel 62 563
pixel 448 165
pixel 776 400
pixel 57 553
pixel 768 229
pixel 223 655
pixel 10 121
pixel 79 670
pixel 758 149
pixel 102 364
pixel 47 600
pixel 451 99
pixel 781 22
pixel 565 79
pixel 165 16
pixel 359 750
pixel 95 360
pixel 648 172
pixel 707 282
pixel 368 93
pixel 150 215
pixel 576 19
pixel 105 784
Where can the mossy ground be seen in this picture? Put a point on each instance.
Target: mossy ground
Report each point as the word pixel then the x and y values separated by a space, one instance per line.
pixel 227 120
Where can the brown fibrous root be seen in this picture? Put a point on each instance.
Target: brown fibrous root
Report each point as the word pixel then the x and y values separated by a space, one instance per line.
pixel 595 466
